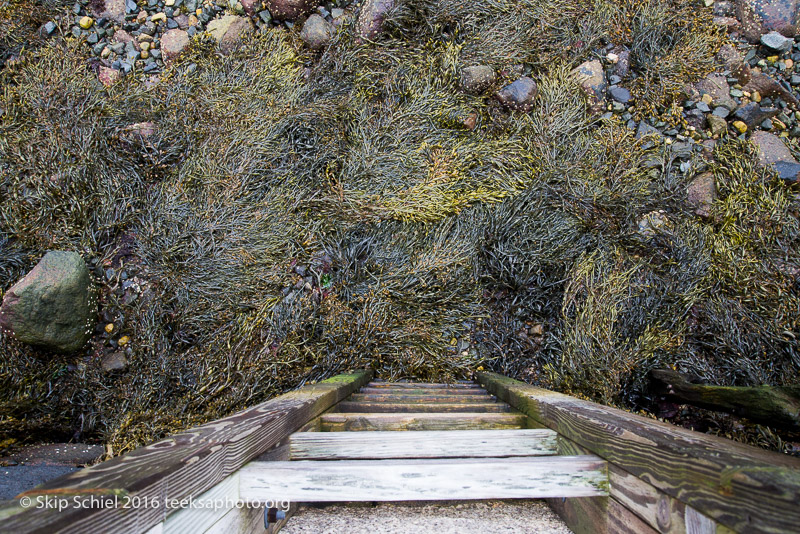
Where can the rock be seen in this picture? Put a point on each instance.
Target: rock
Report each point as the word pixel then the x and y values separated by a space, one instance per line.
pixel 251 7
pixel 477 78
pixel 228 31
pixel 716 86
pixel 370 20
pixel 768 87
pixel 620 94
pixel 48 28
pixel 653 222
pixel 317 32
pixel 173 42
pixel 520 95
pixel 113 10
pixel 723 8
pixel 702 193
pixel 739 125
pixel 86 22
pixel 290 10
pixel 696 119
pixel 717 125
pixel 139 130
pixel 645 129
pixel 115 361
pixel 773 152
pixel 623 66
pixel 777 42
pixel 761 16
pixel 732 60
pixel 121 36
pixel 753 114
pixel 54 305
pixel 107 76
pixel 592 79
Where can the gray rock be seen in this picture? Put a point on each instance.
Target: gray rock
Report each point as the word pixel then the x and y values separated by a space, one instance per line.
pixel 620 94
pixel 721 112
pixel 777 42
pixel 477 78
pixel 592 79
pixel 645 129
pixel 520 95
pixel 228 31
pixel 115 361
pixel 753 114
pixel 702 193
pixel 54 305
pixel 317 32
pixel 772 152
pixel 290 10
pixel 49 28
pixel 702 106
pixel 370 20
pixel 110 9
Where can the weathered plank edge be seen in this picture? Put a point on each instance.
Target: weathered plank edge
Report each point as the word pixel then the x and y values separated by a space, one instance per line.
pixel 183 465
pixel 716 477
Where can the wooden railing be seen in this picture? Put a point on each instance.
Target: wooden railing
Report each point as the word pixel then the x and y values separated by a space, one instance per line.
pixel 129 493
pixel 662 478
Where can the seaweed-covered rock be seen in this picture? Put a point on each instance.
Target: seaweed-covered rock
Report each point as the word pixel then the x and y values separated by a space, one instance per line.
pixel 228 31
pixel 53 306
pixel 520 95
pixel 773 152
pixel 173 42
pixel 733 61
pixel 762 16
pixel 593 82
pixel 477 78
pixel 290 9
pixel 370 20
pixel 317 32
pixel 716 86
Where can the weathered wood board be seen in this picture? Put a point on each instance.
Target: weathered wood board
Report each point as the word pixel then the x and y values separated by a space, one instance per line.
pixel 415 480
pixel 341 422
pixel 740 487
pixel 422 391
pixel 430 444
pixel 397 407
pixel 423 399
pixel 424 385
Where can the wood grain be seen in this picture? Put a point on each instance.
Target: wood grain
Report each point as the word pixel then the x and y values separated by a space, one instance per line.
pixel 430 444
pixel 415 480
pixel 424 385
pixel 428 398
pixel 185 464
pixel 740 487
pixel 345 422
pixel 423 391
pixel 398 407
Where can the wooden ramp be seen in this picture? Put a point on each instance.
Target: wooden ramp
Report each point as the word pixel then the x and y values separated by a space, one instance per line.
pixel 412 442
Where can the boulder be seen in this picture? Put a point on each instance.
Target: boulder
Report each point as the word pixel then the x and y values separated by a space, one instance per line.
pixel 53 306
pixel 593 82
pixel 773 152
pixel 520 95
pixel 702 193
pixel 370 19
pixel 477 79
pixel 173 42
pixel 763 16
pixel 290 10
pixel 228 31
pixel 317 32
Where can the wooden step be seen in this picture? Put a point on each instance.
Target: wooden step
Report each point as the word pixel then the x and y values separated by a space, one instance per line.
pixel 424 385
pixel 424 399
pixel 423 480
pixel 345 422
pixel 398 407
pixel 424 444
pixel 423 391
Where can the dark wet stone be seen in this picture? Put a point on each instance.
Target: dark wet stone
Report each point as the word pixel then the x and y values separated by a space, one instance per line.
pixel 753 114
pixel 520 95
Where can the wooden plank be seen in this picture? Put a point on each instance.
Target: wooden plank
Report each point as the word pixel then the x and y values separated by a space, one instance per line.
pixel 584 515
pixel 424 480
pixel 389 397
pixel 422 391
pixel 397 407
pixel 740 487
pixel 623 521
pixel 430 444
pixel 341 422
pixel 183 465
pixel 423 385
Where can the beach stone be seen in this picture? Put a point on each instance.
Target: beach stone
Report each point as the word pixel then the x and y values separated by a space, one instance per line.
pixel 107 76
pixel 113 10
pixel 767 87
pixel 733 61
pixel 773 152
pixel 173 42
pixel 620 94
pixel 228 31
pixel 763 16
pixel 54 305
pixel 717 125
pixel 752 114
pixel 520 95
pixel 290 10
pixel 716 86
pixel 702 193
pixel 592 79
pixel 371 18
pixel 477 78
pixel 116 361
pixel 777 42
pixel 251 7
pixel 317 32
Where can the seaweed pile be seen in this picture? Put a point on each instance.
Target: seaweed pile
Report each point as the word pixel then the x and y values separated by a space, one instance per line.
pixel 295 214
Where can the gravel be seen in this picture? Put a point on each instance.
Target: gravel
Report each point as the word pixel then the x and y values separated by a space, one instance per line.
pixel 509 517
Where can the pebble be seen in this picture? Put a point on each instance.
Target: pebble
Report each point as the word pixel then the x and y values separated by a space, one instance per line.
pixel 721 112
pixel 50 27
pixel 86 22
pixel 775 41
pixel 739 125
pixel 620 94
